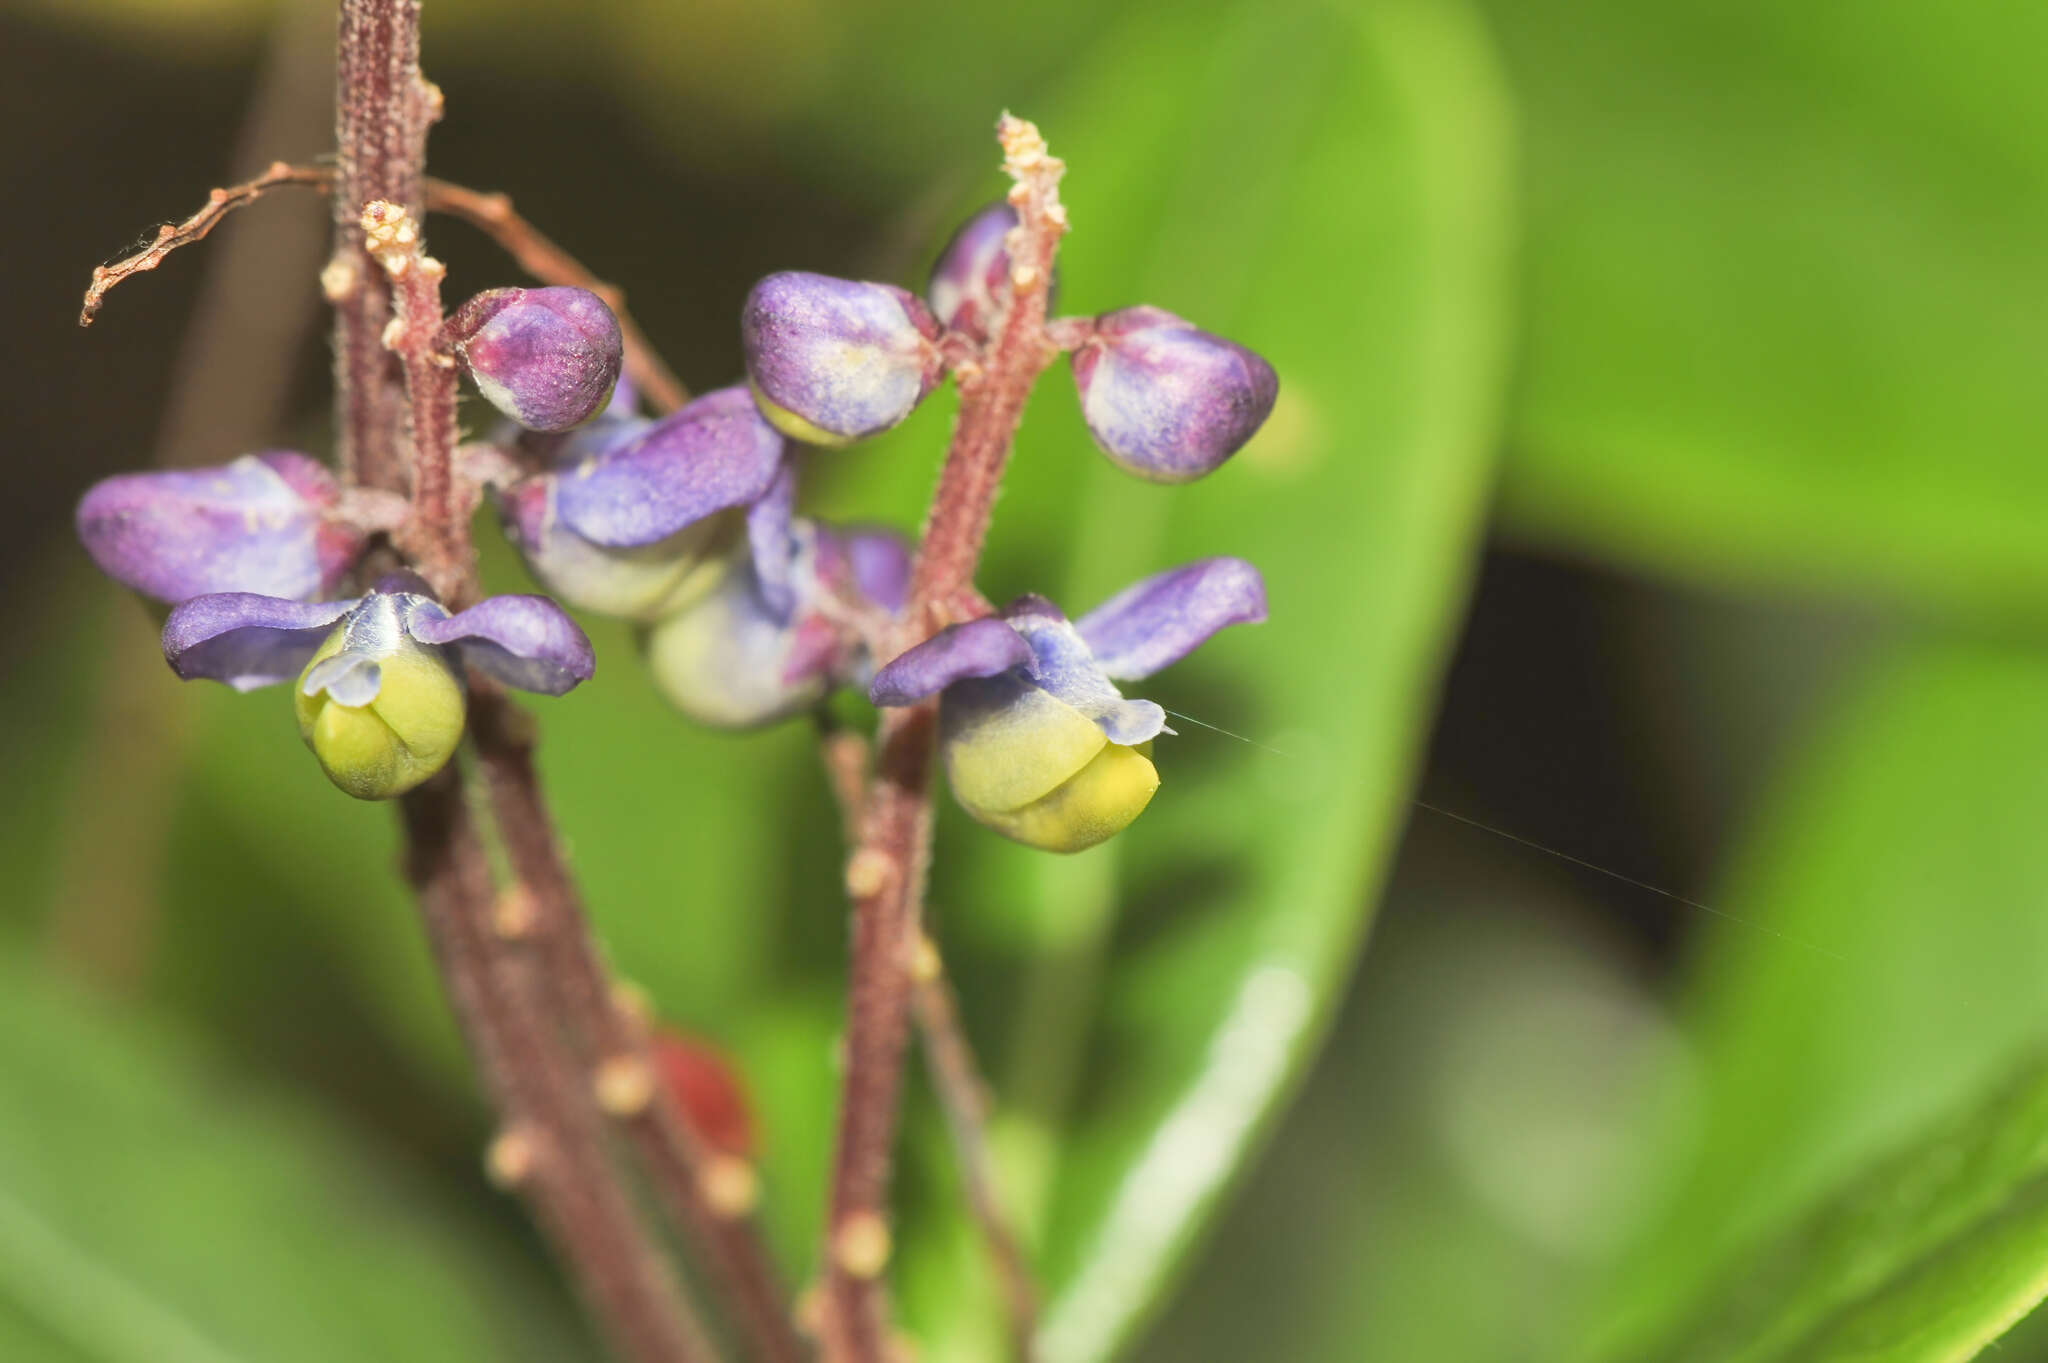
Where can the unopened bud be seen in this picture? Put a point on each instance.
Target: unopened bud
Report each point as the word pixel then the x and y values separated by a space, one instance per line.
pixel 835 360
pixel 547 358
pixel 1166 400
pixel 973 272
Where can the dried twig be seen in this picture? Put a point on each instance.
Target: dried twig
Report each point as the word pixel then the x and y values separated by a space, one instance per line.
pixel 171 236
pixel 491 214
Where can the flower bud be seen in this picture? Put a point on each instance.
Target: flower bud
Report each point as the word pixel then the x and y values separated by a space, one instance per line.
pixel 1166 400
pixel 973 272
pixel 636 582
pixel 547 358
pixel 1033 768
pixel 1039 744
pixel 382 711
pixel 259 524
pixel 706 1089
pixel 834 360
pixel 627 519
pixel 731 660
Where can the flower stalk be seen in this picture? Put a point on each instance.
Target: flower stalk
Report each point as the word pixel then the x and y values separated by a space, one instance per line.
pixel 886 873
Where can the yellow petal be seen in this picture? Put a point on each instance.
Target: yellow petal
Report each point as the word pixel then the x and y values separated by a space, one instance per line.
pixel 1004 756
pixel 794 426
pixel 403 736
pixel 1097 804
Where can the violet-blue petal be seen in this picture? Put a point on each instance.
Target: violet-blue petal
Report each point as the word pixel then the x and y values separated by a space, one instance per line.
pixel 975 264
pixel 881 565
pixel 1166 400
pixel 1062 666
pixel 257 524
pixel 245 639
pixel 835 360
pixel 716 452
pixel 772 542
pixel 523 641
pixel 979 648
pixel 1162 619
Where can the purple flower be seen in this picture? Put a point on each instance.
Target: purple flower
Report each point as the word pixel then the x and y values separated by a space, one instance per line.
pixel 782 624
pixel 379 697
pixel 1038 742
pixel 263 523
pixel 973 272
pixel 626 521
pixel 834 360
pixel 1166 400
pixel 547 358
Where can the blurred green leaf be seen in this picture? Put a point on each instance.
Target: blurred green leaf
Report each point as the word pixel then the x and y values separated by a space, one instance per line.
pixel 1886 969
pixel 1487 1004
pixel 153 1212
pixel 1784 267
pixel 1926 1258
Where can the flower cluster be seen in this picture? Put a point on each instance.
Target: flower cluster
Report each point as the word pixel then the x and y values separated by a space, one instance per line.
pixel 1038 743
pixel 252 553
pixel 686 525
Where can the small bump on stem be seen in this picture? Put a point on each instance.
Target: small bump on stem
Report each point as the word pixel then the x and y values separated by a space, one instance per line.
pixel 862 1246
pixel 510 1157
pixel 624 1085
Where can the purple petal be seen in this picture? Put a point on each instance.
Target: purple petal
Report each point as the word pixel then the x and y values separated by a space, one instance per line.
pixel 837 359
pixel 523 641
pixel 881 566
pixel 773 545
pixel 979 648
pixel 1062 666
pixel 715 453
pixel 1166 400
pixel 247 640
pixel 256 524
pixel 1162 619
pixel 547 358
pixel 974 265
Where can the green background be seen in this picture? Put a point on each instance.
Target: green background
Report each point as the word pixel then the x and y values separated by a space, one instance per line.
pixel 1658 478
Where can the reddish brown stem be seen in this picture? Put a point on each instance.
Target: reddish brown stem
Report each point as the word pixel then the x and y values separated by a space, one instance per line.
pixel 552 1148
pixel 710 1194
pixel 949 1056
pixel 887 871
pixel 436 535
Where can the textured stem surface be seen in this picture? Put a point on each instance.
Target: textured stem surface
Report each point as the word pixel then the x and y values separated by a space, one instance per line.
pixel 709 1194
pixel 553 1146
pixel 886 874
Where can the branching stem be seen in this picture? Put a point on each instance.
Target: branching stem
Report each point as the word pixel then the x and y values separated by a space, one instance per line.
pixel 398 433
